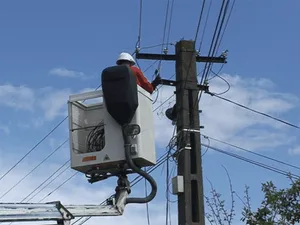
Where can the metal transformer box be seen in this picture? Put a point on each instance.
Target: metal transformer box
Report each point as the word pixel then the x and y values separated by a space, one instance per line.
pixel 96 140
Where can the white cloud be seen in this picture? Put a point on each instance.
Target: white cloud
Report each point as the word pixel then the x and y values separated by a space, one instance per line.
pixel 18 97
pixel 63 72
pixel 228 122
pixel 76 191
pixel 295 150
pixel 54 103
pixel 222 120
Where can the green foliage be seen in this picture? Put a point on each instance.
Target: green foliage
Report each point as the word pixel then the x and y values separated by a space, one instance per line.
pixel 279 207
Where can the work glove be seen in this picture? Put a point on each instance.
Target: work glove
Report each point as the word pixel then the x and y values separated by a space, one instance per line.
pixel 156 82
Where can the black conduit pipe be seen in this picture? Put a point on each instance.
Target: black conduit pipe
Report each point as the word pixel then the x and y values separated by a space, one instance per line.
pixel 136 169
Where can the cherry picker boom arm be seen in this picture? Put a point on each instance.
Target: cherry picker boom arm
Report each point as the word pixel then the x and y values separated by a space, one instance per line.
pixel 55 211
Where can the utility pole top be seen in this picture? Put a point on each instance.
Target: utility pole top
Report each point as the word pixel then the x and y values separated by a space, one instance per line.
pixel 171 57
pixel 188 184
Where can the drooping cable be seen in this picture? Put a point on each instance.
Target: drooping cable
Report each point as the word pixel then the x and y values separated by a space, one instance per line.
pixel 265 166
pixel 58 187
pixel 255 111
pixel 34 147
pixel 252 152
pixel 45 181
pixel 228 84
pixel 30 172
pixel 39 144
pixel 56 176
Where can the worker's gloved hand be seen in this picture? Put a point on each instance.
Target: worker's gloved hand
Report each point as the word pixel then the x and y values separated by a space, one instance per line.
pixel 156 82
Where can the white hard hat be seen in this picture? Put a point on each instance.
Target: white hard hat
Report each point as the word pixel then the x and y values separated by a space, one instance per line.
pixel 127 57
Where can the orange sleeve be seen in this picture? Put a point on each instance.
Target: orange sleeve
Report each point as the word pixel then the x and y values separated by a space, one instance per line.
pixel 143 80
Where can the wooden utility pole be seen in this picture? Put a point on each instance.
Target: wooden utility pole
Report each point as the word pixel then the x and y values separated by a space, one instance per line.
pixel 189 171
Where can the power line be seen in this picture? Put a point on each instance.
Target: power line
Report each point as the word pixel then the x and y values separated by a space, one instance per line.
pixel 226 24
pixel 165 26
pixel 56 178
pixel 265 166
pixel 59 186
pixel 163 103
pixel 38 145
pixel 34 147
pixel 170 21
pixel 214 41
pixel 200 19
pixel 228 84
pixel 205 25
pixel 140 24
pixel 45 181
pixel 255 111
pixel 252 152
pixel 30 172
pixel 136 180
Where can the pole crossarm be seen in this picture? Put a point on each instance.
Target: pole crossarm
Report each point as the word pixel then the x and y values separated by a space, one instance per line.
pixel 170 57
pixel 201 87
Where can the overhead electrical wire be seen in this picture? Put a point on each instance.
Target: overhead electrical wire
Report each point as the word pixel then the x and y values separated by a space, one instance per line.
pixel 140 29
pixel 265 166
pixel 135 181
pixel 37 146
pixel 190 63
pixel 159 163
pixel 226 23
pixel 228 84
pixel 199 21
pixel 215 38
pixel 216 73
pixel 224 30
pixel 255 111
pixel 30 172
pixel 45 181
pixel 34 147
pixel 59 186
pixel 164 158
pixel 163 48
pixel 138 42
pixel 170 22
pixel 252 152
pixel 68 139
pixel 165 26
pixel 204 29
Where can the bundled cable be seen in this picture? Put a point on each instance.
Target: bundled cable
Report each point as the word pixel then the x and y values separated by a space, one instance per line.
pixel 96 139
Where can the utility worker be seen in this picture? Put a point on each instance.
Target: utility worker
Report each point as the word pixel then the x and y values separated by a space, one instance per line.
pixel 127 59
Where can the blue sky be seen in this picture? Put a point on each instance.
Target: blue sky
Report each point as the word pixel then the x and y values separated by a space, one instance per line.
pixel 41 40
